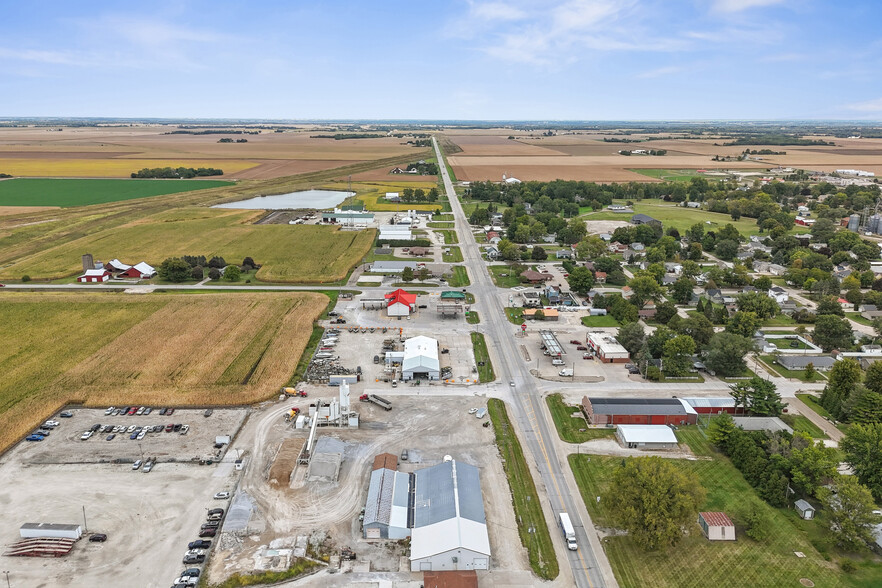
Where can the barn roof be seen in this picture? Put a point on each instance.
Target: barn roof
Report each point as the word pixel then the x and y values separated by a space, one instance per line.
pixel 401 296
pixel 716 519
pixel 647 434
pixel 669 406
pixel 385 460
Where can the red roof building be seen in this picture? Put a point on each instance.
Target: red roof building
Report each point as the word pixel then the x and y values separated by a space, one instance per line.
pixel 94 275
pixel 139 270
pixel 451 579
pixel 717 526
pixel 400 303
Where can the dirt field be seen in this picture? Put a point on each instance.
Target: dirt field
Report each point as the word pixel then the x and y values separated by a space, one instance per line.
pixel 118 151
pixel 148 518
pixel 103 349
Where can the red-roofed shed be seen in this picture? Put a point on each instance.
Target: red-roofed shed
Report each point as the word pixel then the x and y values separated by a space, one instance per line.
pixel 717 526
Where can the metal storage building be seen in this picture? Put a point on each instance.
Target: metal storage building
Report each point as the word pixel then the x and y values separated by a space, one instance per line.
pixel 386 508
pixel 400 303
pixel 646 436
pixel 450 527
pixel 806 511
pixel 638 411
pixel 712 405
pixel 420 360
pixel 717 526
pixel 29 530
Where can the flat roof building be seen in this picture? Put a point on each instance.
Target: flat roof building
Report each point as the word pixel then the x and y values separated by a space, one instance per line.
pixel 638 411
pixel 646 436
pixel 607 348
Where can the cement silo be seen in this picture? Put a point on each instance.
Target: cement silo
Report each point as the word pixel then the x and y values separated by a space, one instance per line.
pixel 873 224
pixel 853 222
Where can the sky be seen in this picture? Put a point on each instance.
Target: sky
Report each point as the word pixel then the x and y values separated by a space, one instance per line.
pixel 444 59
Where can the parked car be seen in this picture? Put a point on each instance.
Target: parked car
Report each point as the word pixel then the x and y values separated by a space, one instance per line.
pixel 42 432
pixel 169 427
pixel 193 558
pixel 98 538
pixel 211 524
pixel 221 495
pixel 184 429
pixel 177 427
pixel 215 511
pixel 200 544
pixel 575 342
pixel 86 435
pixel 214 517
pixel 148 410
pixel 170 412
pixel 147 467
pixel 207 412
pixel 34 438
pixel 132 410
pixel 192 572
pixel 185 581
pixel 133 436
pixel 140 410
pixel 50 424
pixel 137 464
pixel 141 435
pixel 95 428
pixel 110 437
pixel 581 348
pixel 109 411
pixel 162 411
pixel 66 414
pixel 207 532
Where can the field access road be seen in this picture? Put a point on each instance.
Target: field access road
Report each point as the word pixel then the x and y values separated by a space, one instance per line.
pixel 589 565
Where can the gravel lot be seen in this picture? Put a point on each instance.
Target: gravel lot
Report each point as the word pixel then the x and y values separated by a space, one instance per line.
pixel 148 518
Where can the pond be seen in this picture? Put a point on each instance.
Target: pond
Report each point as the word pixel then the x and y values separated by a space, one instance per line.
pixel 317 199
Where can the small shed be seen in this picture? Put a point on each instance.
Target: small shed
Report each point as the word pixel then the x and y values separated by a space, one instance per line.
pixel 646 436
pixel 717 526
pixel 806 511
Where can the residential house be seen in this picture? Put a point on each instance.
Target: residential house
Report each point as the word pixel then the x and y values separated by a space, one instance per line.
pixel 535 277
pixel 492 235
pixel 789 308
pixel 564 254
pixel 616 247
pixel 673 268
pixel 714 295
pixel 618 208
pixel 761 266
pixel 692 204
pixel 842 272
pixel 638 246
pixel 600 277
pixel 553 294
pixel 778 294
pixel 868 307
pixel 589 265
pixel 492 253
pixel 845 304
pixel 668 279
pixel 777 270
pixel 648 311
pixel 871 315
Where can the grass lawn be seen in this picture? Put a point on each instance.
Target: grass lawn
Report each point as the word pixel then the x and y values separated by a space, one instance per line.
pixel 812 402
pixel 503 276
pixel 514 315
pixel 800 423
pixel 450 237
pixel 454 256
pixel 747 373
pixel 443 217
pixel 570 424
pixel 679 217
pixel 694 378
pixel 785 373
pixel 781 320
pixel 606 320
pixel 696 562
pixel 856 317
pixel 58 349
pixel 671 175
pixel 291 254
pixel 440 225
pixel 472 317
pixel 460 277
pixel 527 507
pixel 482 356
pixel 74 192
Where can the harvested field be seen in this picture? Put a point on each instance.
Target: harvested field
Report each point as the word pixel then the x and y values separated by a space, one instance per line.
pixel 290 254
pixel 94 167
pixel 284 167
pixel 114 349
pixel 10 210
pixel 478 145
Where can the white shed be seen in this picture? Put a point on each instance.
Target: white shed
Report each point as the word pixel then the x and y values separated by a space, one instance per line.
pixel 717 526
pixel 806 511
pixel 646 436
pixel 31 530
pixel 420 361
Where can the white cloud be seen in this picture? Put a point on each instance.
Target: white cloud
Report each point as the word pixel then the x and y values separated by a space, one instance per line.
pixel 741 5
pixel 867 106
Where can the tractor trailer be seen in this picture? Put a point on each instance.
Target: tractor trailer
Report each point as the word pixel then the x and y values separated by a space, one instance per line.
pixel 568 531
pixel 378 400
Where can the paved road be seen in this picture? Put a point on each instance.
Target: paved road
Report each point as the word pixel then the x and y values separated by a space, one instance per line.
pixel 529 413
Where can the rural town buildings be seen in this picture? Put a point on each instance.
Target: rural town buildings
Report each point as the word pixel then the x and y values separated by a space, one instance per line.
pixel 606 347
pixel 400 303
pixel 638 411
pixel 392 267
pixel 349 218
pixel 139 270
pixel 420 359
pixel 386 508
pixel 395 233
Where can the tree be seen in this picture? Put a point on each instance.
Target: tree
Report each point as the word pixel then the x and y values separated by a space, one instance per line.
pixel 681 290
pixel 744 324
pixel 407 274
pixel 538 254
pixel 214 273
pixel 644 288
pixel 865 406
pixel 539 315
pixel 759 396
pixel 698 327
pixel 811 464
pixel 758 303
pixel 810 371
pixel 174 269
pixel 581 280
pixel 632 337
pixel 841 383
pixel 665 312
pixel 832 332
pixel 197 273
pixel 217 262
pixel 725 356
pixel 678 355
pixel 480 217
pixel 829 306
pixel 726 249
pixel 851 511
pixel 862 446
pixel 720 431
pixel 757 524
pixel 590 247
pixel 232 273
pixel 249 262
pixel 763 283
pixel 653 500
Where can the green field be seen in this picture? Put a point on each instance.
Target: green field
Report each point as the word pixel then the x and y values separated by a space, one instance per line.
pixel 449 235
pixel 800 423
pixel 606 320
pixel 570 424
pixel 696 562
pixel 527 506
pixel 460 277
pixel 301 254
pixel 672 175
pixel 454 256
pixel 509 280
pixel 472 317
pixel 682 218
pixel 515 314
pixel 76 192
pixel 482 356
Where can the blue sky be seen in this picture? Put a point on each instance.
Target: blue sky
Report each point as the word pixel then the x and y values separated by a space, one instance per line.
pixel 456 59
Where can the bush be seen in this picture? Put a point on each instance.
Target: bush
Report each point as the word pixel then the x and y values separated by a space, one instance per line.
pixel 848 566
pixel 26 278
pixel 653 374
pixel 214 273
pixel 198 273
pixel 757 525
pixel 232 273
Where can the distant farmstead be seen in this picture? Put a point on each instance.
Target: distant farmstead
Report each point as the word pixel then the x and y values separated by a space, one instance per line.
pixel 94 275
pixel 139 270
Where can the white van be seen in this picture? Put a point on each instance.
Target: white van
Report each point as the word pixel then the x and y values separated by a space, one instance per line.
pixel 557 361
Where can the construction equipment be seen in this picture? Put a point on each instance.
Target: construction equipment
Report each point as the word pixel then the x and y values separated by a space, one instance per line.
pixel 378 400
pixel 347 554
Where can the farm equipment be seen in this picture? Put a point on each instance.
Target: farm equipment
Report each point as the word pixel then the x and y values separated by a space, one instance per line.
pixel 378 400
pixel 347 554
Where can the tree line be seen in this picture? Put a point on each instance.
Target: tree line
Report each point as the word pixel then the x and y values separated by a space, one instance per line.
pixel 180 172
pixel 192 267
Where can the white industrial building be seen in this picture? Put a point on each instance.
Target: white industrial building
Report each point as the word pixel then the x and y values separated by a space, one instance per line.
pixel 396 233
pixel 357 219
pixel 449 525
pixel 386 508
pixel 56 531
pixel 420 360
pixel 646 436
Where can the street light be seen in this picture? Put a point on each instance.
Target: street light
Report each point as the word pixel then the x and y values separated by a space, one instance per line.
pixel 7 578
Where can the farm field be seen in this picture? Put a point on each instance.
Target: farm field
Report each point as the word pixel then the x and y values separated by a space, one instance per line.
pixel 698 562
pixel 118 151
pixel 372 194
pixel 301 254
pixel 66 192
pixel 487 154
pixel 113 349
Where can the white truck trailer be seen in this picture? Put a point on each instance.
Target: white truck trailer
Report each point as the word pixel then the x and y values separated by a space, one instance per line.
pixel 568 531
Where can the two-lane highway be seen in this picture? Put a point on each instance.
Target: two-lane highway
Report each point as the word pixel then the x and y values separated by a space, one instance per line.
pixel 527 399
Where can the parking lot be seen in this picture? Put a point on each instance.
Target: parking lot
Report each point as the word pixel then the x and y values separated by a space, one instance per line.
pixel 148 517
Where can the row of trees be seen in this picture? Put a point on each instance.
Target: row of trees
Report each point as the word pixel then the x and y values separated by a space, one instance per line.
pixel 177 173
pixel 419 195
pixel 192 267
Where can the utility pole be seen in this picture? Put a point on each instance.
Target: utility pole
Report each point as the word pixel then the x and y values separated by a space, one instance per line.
pixel 85 529
pixel 7 578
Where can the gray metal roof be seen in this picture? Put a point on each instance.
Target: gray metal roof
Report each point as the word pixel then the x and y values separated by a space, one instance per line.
pixel 378 506
pixel 436 493
pixel 798 362
pixel 50 527
pixel 803 505
pixel 637 406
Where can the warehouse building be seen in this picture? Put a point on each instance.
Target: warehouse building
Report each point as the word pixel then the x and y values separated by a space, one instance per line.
pixel 420 360
pixel 449 524
pixel 56 531
pixel 348 218
pixel 385 511
pixel 822 363
pixel 395 233
pixel 646 437
pixel 638 411
pixel 392 267
pixel 712 405
pixel 606 347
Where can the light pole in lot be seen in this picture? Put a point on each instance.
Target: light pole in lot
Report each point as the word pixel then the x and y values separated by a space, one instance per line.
pixel 7 578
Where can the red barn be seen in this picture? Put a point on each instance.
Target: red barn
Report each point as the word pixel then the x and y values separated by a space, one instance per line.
pixel 638 411
pixel 139 270
pixel 94 275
